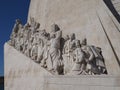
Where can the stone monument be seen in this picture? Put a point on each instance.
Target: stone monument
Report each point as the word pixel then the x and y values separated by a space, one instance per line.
pixel 65 45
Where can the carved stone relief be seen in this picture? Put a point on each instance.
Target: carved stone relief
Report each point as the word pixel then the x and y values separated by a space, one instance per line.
pixel 61 56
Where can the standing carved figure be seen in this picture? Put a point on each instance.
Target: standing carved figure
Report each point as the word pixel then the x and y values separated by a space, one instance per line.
pixel 54 61
pixel 34 51
pixel 26 32
pixel 66 55
pixel 94 59
pixel 72 47
pixel 43 50
pixel 89 56
pixel 91 66
pixel 99 60
pixel 34 25
pixel 14 33
pixel 79 62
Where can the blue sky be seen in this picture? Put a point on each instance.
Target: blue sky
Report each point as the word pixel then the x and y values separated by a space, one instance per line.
pixel 9 11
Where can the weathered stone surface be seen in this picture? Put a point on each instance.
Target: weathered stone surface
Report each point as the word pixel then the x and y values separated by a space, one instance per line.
pixel 90 19
pixel 57 54
pixel 21 73
pixel 82 82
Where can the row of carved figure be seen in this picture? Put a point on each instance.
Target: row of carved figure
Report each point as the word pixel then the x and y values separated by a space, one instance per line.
pixel 57 54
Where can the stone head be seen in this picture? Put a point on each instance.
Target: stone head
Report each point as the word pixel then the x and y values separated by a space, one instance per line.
pixel 27 25
pixel 72 36
pixel 43 32
pixel 67 37
pixel 18 21
pixel 32 19
pixel 78 43
pixel 84 41
pixel 54 28
pixel 37 25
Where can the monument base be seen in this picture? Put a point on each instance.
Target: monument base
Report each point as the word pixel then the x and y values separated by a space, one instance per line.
pixel 82 82
pixel 21 73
